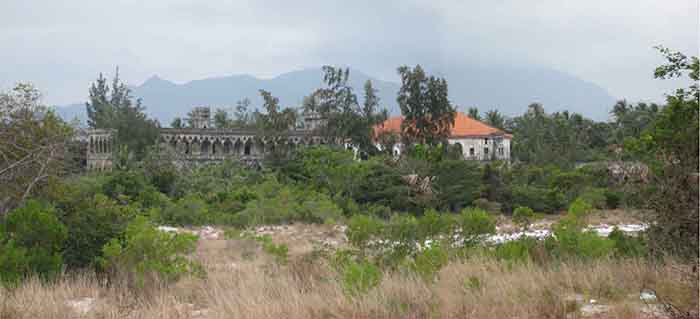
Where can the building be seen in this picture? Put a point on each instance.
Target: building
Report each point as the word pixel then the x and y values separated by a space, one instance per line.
pixel 203 144
pixel 100 149
pixel 478 141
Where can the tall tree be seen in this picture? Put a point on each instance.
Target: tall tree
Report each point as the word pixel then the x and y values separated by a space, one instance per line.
pixel 473 112
pixel 177 123
pixel 114 108
pixel 670 145
pixel 429 115
pixel 34 144
pixel 221 119
pixel 495 119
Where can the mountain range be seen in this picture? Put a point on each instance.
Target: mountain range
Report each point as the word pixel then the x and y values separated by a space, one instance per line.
pixel 508 89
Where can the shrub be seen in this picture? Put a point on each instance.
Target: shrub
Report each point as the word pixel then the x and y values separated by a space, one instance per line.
pixel 612 199
pixel 523 216
pixel 145 253
pixel 595 197
pixel 362 229
pixel 456 182
pixel 432 224
pixel 485 204
pixel 538 198
pixel 402 235
pixel 358 277
pixel 570 240
pixel 515 250
pixel 29 242
pixel 91 223
pixel 190 210
pixel 626 245
pixel 428 262
pixel 31 238
pixel 279 251
pixel 580 208
pixel 475 224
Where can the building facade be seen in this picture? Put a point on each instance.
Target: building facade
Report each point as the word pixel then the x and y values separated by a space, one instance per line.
pixel 478 141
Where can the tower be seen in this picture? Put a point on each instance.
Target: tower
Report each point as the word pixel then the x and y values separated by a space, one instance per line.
pixel 201 117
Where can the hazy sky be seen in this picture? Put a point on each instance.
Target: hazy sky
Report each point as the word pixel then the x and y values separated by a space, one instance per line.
pixel 62 45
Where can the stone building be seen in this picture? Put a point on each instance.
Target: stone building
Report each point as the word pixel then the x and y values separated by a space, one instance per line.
pixel 100 149
pixel 478 141
pixel 204 144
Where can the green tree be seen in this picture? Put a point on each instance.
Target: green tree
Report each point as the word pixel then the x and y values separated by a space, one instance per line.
pixel 671 146
pixel 473 112
pixel 221 119
pixel 429 115
pixel 114 108
pixel 495 119
pixel 177 123
pixel 34 145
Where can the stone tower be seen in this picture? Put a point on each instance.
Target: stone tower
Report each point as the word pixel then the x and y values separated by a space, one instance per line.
pixel 201 117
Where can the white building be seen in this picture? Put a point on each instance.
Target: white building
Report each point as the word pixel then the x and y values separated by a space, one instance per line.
pixel 479 142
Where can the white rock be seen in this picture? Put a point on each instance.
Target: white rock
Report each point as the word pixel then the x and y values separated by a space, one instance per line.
pixel 168 229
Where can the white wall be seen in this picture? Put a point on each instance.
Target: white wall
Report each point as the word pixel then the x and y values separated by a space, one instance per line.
pixel 498 148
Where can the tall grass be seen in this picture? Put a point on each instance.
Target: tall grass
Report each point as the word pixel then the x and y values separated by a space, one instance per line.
pixel 244 282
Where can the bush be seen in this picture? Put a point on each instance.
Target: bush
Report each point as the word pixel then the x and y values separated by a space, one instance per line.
pixel 188 211
pixel 595 196
pixel 147 254
pixel 626 245
pixel 475 224
pixel 91 223
pixel 537 198
pixel 612 199
pixel 570 240
pixel 428 262
pixel 485 204
pixel 523 216
pixel 279 251
pixel 31 238
pixel 358 277
pixel 362 229
pixel 432 224
pixel 580 208
pixel 515 250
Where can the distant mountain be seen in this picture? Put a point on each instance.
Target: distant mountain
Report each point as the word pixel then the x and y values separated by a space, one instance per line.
pixel 507 89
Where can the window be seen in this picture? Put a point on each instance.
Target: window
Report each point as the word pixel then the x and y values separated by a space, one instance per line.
pixel 486 141
pixel 471 151
pixel 486 151
pixel 500 151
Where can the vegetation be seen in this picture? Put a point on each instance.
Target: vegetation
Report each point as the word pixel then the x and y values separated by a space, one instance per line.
pixel 420 228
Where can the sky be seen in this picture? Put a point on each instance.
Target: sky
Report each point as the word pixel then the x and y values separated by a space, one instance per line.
pixel 61 46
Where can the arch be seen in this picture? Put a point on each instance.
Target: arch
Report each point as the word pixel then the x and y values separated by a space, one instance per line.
pixel 248 147
pixel 227 147
pixel 205 147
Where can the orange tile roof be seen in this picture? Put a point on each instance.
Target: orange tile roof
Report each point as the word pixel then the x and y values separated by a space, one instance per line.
pixel 464 126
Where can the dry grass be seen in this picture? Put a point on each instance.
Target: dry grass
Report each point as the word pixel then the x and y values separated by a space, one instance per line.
pixel 243 282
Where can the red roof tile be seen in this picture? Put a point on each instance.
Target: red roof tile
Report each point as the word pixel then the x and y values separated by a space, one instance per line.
pixel 464 126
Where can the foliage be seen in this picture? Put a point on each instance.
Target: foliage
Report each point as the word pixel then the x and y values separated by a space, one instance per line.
pixel 523 216
pixel 359 276
pixel 670 146
pixel 474 225
pixel 429 261
pixel 429 115
pixel 279 251
pixel 362 229
pixel 34 146
pixel 145 253
pixel 92 222
pixel 626 245
pixel 31 238
pixel 114 108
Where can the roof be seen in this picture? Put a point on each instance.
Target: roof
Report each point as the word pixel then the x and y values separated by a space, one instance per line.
pixel 464 126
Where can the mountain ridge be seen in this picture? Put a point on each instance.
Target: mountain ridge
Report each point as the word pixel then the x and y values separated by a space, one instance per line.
pixel 508 89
